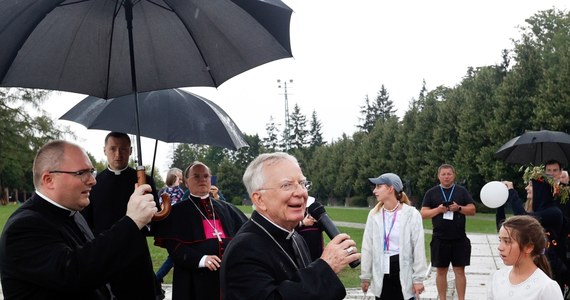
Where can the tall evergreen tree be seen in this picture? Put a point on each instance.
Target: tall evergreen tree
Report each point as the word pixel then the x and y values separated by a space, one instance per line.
pixel 381 109
pixel 298 134
pixel 271 142
pixel 315 133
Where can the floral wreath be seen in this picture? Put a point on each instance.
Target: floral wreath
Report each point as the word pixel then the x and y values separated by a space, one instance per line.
pixel 561 192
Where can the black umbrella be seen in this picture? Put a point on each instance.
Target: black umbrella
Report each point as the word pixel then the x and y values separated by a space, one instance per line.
pixel 172 116
pixel 111 48
pixel 536 148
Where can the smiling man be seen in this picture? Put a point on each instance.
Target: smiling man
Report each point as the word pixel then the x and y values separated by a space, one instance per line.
pixel 48 252
pixel 268 259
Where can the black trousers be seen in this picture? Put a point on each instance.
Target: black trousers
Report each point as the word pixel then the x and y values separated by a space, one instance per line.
pixel 391 286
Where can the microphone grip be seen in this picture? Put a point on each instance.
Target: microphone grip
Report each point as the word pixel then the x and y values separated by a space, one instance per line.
pixel 332 231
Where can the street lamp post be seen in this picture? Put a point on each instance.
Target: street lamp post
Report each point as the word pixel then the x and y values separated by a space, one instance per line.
pixel 286 131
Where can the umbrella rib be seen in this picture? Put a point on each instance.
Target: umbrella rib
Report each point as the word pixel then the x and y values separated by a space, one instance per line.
pixel 161 6
pixel 208 69
pixel 74 2
pixel 118 5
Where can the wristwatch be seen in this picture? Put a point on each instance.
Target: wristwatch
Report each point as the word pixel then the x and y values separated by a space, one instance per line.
pixel 459 209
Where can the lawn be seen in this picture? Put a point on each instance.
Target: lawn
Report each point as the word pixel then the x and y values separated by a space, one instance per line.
pixel 481 223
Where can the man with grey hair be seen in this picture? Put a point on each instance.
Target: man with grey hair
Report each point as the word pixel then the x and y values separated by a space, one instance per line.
pixel 47 251
pixel 268 259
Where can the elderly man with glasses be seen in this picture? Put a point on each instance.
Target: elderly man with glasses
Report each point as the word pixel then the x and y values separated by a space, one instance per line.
pixel 268 259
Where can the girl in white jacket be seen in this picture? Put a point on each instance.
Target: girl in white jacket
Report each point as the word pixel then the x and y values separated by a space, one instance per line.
pixel 393 262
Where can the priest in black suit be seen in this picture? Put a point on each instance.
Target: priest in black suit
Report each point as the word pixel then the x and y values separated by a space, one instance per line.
pixel 47 251
pixel 109 200
pixel 196 234
pixel 268 259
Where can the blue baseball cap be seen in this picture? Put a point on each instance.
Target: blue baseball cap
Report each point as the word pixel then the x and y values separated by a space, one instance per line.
pixel 390 179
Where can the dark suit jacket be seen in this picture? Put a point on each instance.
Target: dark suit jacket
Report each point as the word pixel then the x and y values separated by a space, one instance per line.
pixel 255 267
pixel 44 254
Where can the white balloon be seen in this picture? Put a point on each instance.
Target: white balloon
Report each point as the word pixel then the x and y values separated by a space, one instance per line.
pixel 494 194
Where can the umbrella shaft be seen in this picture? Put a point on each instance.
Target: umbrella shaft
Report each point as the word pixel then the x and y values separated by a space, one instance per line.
pixel 129 17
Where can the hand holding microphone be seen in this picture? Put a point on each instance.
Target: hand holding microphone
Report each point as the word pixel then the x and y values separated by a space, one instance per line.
pixel 331 253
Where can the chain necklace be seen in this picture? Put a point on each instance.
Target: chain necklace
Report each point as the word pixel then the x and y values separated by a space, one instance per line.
pixel 279 245
pixel 216 232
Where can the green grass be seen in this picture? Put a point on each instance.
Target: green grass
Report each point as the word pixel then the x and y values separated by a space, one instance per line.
pixel 480 223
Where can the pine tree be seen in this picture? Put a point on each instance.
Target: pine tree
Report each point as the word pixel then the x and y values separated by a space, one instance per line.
pixel 298 132
pixel 271 142
pixel 315 133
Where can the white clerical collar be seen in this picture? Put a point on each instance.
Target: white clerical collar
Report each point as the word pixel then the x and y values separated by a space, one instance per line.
pixel 207 196
pixel 117 172
pixel 289 233
pixel 71 212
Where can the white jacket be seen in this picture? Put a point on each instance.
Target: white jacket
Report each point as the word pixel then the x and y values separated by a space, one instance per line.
pixel 413 266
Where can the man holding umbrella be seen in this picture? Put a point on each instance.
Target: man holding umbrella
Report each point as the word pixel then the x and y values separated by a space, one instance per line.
pixel 109 198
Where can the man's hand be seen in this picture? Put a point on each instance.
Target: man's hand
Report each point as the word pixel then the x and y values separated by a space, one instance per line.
pixel 339 252
pixel 141 206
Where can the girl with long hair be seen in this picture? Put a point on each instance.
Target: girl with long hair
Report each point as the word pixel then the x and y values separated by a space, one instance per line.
pixel 527 275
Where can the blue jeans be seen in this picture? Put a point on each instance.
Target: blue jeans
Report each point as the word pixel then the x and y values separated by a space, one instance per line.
pixel 164 269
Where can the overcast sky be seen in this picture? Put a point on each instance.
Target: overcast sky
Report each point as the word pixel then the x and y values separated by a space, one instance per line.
pixel 345 50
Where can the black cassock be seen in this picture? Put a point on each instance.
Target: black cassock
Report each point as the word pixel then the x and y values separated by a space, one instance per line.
pixel 45 255
pixel 261 263
pixel 183 234
pixel 109 199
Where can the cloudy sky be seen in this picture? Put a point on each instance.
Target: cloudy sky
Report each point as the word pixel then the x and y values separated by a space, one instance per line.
pixel 345 50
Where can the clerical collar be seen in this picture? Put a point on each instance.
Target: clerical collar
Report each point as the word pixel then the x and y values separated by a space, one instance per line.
pixel 289 233
pixel 71 212
pixel 117 172
pixel 207 196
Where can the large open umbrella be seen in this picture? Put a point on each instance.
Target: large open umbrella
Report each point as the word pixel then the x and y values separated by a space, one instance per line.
pixel 536 147
pixel 111 48
pixel 173 116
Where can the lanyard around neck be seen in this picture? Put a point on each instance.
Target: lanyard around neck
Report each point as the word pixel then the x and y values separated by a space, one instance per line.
pixel 445 199
pixel 387 235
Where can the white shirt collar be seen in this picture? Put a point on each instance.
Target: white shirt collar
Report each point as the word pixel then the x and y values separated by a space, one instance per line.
pixel 289 233
pixel 207 196
pixel 71 212
pixel 117 172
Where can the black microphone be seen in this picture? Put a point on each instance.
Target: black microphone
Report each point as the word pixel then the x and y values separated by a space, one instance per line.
pixel 317 211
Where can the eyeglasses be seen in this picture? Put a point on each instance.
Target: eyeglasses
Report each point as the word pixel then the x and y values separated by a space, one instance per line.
pixel 289 186
pixel 84 175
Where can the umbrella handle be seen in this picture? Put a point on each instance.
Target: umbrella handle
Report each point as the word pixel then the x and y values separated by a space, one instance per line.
pixel 165 206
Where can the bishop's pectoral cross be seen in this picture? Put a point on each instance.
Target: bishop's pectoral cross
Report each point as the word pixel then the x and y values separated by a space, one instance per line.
pixel 217 234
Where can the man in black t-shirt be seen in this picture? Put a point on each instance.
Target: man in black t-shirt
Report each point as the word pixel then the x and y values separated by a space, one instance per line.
pixel 446 205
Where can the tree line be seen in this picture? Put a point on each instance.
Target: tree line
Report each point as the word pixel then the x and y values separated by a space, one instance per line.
pixel 462 125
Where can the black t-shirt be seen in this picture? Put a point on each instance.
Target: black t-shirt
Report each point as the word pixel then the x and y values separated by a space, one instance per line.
pixel 442 228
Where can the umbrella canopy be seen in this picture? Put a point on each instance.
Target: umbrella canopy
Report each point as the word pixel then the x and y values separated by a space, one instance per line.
pixel 172 116
pixel 112 48
pixel 536 148
pixel 83 46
